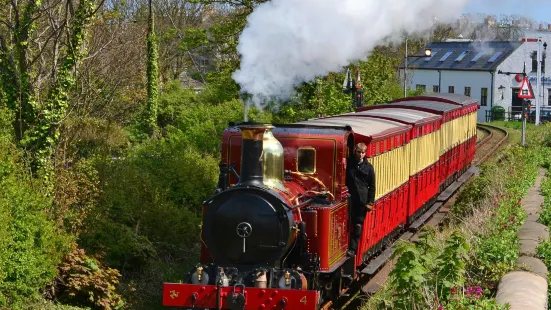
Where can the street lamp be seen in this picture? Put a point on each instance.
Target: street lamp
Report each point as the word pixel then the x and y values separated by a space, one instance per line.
pixel 501 89
pixel 428 53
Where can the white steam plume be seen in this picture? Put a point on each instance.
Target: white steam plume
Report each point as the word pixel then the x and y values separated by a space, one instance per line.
pixel 287 42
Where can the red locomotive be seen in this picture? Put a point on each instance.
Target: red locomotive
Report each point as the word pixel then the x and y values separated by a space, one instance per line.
pixel 276 232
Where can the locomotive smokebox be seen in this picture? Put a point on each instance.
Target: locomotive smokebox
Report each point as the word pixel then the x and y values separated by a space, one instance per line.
pixel 261 157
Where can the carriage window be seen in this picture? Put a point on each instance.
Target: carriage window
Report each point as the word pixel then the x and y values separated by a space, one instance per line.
pixel 306 160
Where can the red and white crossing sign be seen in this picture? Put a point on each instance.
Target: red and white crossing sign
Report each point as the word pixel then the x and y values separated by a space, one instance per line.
pixel 525 91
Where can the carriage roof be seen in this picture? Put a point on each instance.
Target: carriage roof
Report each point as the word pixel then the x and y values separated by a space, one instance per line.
pixel 409 116
pixel 368 127
pixel 456 99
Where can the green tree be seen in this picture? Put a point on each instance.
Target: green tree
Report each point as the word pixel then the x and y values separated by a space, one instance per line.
pixel 152 75
pixel 36 92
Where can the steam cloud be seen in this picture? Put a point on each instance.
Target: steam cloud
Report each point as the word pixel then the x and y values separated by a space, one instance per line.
pixel 287 42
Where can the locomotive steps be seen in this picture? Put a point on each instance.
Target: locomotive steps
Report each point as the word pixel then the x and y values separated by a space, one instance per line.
pixel 527 290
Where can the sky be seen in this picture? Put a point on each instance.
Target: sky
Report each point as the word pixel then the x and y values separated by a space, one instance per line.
pixel 539 10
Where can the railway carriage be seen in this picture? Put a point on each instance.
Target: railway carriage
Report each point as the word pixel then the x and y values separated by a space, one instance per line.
pixel 467 124
pixel 457 130
pixel 276 231
pixel 424 164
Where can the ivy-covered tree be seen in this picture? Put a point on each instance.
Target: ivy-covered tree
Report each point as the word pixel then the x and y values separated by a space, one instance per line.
pixel 37 68
pixel 150 119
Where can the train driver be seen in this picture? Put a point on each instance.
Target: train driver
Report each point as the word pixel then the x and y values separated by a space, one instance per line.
pixel 360 180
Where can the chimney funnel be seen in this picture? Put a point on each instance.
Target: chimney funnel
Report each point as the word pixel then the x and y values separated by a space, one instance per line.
pixel 261 157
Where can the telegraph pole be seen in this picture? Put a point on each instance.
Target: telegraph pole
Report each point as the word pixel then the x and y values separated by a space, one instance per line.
pixel 538 83
pixel 406 70
pixel 525 112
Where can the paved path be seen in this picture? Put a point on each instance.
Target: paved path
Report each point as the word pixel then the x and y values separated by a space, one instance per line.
pixel 527 290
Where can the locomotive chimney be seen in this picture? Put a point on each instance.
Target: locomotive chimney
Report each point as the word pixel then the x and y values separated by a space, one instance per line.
pixel 261 157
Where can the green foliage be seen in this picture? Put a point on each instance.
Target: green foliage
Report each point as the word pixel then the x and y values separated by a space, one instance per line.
pixel 457 273
pixel 539 135
pixel 408 276
pixel 494 256
pixel 42 304
pixel 86 282
pixel 76 194
pixel 32 246
pixel 86 137
pixel 496 249
pixel 186 119
pixel 380 80
pixel 474 192
pixel 323 97
pixel 545 214
pixel 471 298
pixel 194 38
pixel 424 266
pixel 450 263
pixel 150 200
pixel 543 251
pixel 220 87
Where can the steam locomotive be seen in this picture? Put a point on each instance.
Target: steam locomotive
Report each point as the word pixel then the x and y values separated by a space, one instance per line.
pixel 276 232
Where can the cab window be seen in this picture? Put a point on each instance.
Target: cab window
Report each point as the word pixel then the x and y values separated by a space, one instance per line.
pixel 306 160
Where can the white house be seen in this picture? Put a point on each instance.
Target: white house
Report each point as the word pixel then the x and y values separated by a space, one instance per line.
pixel 477 69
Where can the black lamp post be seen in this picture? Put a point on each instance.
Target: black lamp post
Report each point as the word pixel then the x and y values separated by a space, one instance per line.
pixel 428 53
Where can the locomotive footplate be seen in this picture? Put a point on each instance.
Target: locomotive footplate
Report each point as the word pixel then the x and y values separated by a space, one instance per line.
pixel 237 297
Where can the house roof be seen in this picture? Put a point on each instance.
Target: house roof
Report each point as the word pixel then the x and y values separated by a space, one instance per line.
pixel 464 56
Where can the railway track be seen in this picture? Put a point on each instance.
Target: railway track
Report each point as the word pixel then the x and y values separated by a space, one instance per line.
pixel 373 277
pixel 490 143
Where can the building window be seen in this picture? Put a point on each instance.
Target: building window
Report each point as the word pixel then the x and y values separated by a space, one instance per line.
pixel 467 91
pixel 484 97
pixel 420 87
pixel 534 56
pixel 549 96
pixel 306 160
pixel 435 89
pixel 451 89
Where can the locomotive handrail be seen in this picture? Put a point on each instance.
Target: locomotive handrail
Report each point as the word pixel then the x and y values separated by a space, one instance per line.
pixel 302 204
pixel 308 176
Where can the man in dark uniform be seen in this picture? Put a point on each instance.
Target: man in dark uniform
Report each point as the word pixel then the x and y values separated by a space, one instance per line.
pixel 360 180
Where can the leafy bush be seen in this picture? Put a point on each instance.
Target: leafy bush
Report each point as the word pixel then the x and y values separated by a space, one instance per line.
pixel 32 246
pixel 150 203
pixel 422 267
pixel 471 298
pixel 545 214
pixel 84 281
pixel 76 194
